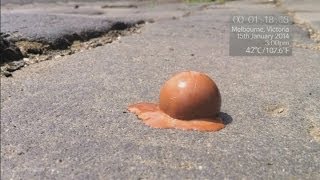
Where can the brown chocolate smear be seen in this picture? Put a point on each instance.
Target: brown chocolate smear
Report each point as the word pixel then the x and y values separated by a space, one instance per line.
pixel 152 116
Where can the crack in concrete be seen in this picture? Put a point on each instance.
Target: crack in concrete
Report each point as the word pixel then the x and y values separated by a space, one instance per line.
pixel 33 52
pixel 313 34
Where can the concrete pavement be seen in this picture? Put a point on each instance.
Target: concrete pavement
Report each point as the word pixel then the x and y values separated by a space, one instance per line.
pixel 306 11
pixel 67 118
pixel 29 29
pixel 306 14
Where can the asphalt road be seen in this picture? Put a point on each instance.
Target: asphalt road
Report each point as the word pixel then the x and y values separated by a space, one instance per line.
pixel 67 118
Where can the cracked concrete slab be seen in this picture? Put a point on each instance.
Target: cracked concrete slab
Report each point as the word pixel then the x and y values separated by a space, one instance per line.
pixel 23 2
pixel 306 13
pixel 59 31
pixel 61 26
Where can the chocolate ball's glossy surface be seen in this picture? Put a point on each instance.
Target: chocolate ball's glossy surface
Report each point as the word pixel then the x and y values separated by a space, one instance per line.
pixel 190 95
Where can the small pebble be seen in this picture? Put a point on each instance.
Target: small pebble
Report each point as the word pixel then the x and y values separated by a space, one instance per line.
pixel 280 110
pixel 26 59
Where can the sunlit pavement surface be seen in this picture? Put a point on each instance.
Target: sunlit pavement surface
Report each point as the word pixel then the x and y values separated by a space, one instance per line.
pixel 66 118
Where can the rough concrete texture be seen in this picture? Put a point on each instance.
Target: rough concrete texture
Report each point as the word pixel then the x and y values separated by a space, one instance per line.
pixel 77 26
pixel 57 30
pixel 60 24
pixel 22 2
pixel 67 118
pixel 305 12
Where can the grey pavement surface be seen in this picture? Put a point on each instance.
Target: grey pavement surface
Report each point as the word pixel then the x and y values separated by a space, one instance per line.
pixel 39 27
pixel 67 118
pixel 306 11
pixel 35 22
pixel 22 2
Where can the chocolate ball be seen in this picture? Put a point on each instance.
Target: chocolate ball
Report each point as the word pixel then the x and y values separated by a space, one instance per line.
pixel 190 95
